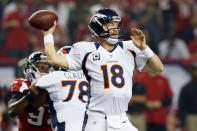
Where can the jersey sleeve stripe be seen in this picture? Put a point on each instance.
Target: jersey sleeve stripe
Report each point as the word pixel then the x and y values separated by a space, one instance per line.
pixel 54 120
pixel 85 71
pixel 85 121
pixel 134 55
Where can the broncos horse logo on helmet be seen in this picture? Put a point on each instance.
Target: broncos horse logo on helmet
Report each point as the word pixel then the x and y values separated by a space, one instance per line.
pixel 99 19
pixel 36 66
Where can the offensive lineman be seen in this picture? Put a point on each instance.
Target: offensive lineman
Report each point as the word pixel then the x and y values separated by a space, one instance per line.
pixel 68 96
pixel 23 103
pixel 108 65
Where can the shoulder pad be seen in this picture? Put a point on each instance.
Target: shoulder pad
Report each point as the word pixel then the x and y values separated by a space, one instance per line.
pixel 19 85
pixel 84 45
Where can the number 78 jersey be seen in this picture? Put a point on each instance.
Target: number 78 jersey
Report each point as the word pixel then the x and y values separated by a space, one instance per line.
pixel 68 97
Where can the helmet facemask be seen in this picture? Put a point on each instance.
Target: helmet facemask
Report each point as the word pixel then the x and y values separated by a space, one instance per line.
pixel 114 37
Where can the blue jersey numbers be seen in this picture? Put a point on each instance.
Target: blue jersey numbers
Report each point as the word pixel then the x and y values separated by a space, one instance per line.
pixel 117 78
pixel 83 88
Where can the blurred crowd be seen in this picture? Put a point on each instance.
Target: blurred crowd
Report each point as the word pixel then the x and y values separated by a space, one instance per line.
pixel 170 27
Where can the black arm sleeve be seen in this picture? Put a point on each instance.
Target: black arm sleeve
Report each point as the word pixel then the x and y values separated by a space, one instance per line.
pixel 15 96
pixel 18 96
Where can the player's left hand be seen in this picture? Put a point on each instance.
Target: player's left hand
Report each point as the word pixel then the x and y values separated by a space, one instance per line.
pixel 138 38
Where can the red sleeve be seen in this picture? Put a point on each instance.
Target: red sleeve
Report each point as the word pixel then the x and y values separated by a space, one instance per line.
pixel 16 85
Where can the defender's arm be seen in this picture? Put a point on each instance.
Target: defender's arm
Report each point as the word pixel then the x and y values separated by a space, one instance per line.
pixel 18 103
pixel 31 101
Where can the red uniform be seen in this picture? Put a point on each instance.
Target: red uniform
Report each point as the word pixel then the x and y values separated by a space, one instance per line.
pixel 36 121
pixel 157 89
pixel 20 35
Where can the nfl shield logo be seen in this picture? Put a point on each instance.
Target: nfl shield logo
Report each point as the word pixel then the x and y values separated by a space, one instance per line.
pixel 96 56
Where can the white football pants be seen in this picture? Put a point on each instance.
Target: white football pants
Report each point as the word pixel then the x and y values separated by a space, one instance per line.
pixel 99 122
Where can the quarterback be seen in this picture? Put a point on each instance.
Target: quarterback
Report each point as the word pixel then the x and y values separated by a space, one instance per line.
pixel 108 65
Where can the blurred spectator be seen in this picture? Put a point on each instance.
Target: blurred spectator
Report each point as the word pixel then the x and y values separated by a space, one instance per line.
pixel 10 7
pixel 100 4
pixel 188 103
pixel 188 35
pixel 184 13
pixel 117 5
pixel 62 9
pixel 2 38
pixel 137 105
pixel 82 34
pixel 173 47
pixel 168 13
pixel 18 38
pixel 150 18
pixel 79 12
pixel 192 46
pixel 159 98
pixel 172 122
pixel 1 9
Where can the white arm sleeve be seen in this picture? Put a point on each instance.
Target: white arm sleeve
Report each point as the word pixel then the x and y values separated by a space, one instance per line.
pixel 140 61
pixel 45 81
pixel 74 58
pixel 140 58
pixel 77 53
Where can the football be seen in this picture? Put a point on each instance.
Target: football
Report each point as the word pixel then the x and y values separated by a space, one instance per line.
pixel 43 19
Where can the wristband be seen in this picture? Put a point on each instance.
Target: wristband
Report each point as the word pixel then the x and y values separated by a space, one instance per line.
pixel 148 52
pixel 48 39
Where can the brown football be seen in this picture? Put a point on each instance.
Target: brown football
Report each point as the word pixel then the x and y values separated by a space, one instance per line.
pixel 43 19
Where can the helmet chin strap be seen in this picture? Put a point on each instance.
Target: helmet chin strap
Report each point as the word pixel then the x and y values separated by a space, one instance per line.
pixel 112 41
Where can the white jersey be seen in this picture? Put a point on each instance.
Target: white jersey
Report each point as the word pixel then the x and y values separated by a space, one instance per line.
pixel 109 73
pixel 68 97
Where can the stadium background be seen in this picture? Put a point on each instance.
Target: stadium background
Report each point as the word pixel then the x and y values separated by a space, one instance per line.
pixel 159 19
